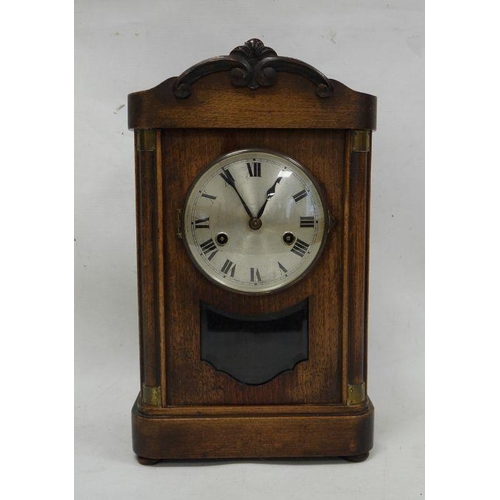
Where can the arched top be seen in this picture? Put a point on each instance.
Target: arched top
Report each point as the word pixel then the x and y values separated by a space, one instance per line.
pixel 252 87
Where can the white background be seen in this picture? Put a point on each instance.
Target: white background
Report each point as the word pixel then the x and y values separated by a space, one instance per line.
pixel 121 47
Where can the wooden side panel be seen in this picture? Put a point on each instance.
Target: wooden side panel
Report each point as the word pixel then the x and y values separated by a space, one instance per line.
pixel 367 260
pixel 191 381
pixel 356 223
pixel 149 255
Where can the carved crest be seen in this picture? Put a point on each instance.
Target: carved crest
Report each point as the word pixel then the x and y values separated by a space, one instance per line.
pixel 251 65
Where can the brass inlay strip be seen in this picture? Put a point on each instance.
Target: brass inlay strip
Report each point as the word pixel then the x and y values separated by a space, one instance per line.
pixel 356 393
pixel 146 140
pixel 151 395
pixel 360 141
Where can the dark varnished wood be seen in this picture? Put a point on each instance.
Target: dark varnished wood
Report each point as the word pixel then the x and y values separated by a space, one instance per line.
pixel 243 436
pixel 150 236
pixel 251 65
pixel 147 216
pixel 355 259
pixel 316 381
pixel 357 458
pixel 204 413
pixel 147 461
pixel 290 103
pixel 249 410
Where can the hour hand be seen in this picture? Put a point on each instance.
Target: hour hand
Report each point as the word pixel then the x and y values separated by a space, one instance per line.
pixel 226 175
pixel 270 193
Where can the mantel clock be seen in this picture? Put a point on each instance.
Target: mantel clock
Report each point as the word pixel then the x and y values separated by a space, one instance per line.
pixel 253 180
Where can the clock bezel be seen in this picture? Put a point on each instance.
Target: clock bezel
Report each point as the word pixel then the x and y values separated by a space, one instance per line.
pixel 328 219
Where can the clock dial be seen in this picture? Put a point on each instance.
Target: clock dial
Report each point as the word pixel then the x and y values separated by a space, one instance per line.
pixel 254 221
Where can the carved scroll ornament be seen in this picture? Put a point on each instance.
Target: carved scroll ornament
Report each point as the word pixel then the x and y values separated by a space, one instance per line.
pixel 251 65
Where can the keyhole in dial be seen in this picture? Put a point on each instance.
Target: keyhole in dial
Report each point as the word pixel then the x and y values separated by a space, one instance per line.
pixel 288 238
pixel 222 239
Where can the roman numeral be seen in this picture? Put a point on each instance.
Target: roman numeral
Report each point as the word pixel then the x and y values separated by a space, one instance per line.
pixel 300 248
pixel 254 169
pixel 209 248
pixel 282 267
pixel 226 175
pixel 307 222
pixel 229 268
pixel 254 275
pixel 209 196
pixel 202 223
pixel 301 194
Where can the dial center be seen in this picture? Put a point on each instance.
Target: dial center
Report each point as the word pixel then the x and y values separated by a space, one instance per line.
pixel 255 223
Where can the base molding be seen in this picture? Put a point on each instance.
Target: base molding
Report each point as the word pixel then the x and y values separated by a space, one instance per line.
pixel 221 436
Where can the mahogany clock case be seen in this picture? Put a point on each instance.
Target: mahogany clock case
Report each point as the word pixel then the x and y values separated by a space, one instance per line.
pixel 187 407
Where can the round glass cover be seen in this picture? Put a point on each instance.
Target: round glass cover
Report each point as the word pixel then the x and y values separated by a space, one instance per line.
pixel 254 221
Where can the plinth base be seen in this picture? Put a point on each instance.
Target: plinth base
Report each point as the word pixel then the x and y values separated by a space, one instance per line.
pixel 254 432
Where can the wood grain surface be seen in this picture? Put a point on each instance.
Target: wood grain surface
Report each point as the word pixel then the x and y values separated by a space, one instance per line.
pixel 215 103
pixel 190 381
pixel 256 436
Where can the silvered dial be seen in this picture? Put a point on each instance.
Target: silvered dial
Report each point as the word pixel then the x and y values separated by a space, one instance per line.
pixel 254 221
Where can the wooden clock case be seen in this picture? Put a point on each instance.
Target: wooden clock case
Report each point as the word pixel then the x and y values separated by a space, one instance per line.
pixel 187 409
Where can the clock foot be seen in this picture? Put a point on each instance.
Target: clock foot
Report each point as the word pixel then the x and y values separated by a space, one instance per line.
pixel 357 458
pixel 147 461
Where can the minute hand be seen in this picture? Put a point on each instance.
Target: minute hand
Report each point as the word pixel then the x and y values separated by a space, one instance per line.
pixel 270 193
pixel 230 180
